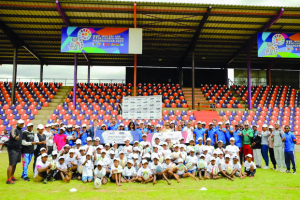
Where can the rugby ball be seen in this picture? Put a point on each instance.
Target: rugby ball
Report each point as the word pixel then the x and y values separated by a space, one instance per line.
pixel 161 159
pixel 170 145
pixel 80 169
pixel 201 164
pixel 215 170
pixel 175 155
pixel 145 175
pixel 189 165
pixel 97 183
pixel 158 169
pixel 140 146
pixel 53 163
pixel 147 150
pixel 229 170
pixel 181 167
pixel 173 166
pixel 99 158
pixel 70 137
pixel 123 163
pixel 49 158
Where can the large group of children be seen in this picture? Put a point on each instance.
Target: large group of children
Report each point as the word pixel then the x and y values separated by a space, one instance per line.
pixel 87 159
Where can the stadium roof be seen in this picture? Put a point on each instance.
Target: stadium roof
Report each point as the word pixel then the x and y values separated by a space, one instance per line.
pixel 168 30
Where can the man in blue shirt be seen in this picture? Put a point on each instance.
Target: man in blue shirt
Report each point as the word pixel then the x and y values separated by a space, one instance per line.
pixel 113 125
pixel 141 130
pixel 69 132
pixel 198 132
pixel 83 135
pixel 152 129
pixel 221 135
pixel 289 140
pixel 228 130
pixel 237 134
pixel 211 133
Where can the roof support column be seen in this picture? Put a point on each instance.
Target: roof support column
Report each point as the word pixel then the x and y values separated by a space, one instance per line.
pixel 193 80
pixel 75 79
pixel 89 73
pixel 180 74
pixel 249 78
pixel 226 76
pixel 14 79
pixel 41 72
pixel 268 76
pixel 135 56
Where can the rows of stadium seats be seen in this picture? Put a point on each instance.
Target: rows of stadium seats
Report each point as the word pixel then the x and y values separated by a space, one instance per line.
pixel 100 92
pixel 172 93
pixel 30 98
pixel 221 95
pixel 270 96
pixel 266 115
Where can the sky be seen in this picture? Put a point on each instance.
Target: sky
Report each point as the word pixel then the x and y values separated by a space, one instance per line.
pixel 61 73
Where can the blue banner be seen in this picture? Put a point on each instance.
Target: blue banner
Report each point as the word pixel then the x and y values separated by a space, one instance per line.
pixel 117 136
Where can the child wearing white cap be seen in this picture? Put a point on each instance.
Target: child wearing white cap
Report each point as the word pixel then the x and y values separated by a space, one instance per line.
pixel 61 170
pixel 250 168
pixel 192 158
pixel 202 167
pixel 80 159
pixel 116 172
pixel 42 168
pixel 144 170
pixel 157 172
pixel 224 166
pixel 40 141
pixel 87 169
pixel 127 148
pixel 236 166
pixel 155 152
pixel 100 173
pixel 210 169
pixel 97 156
pixel 232 149
pixel 71 162
pixel 165 151
pixel 182 171
pixel 129 172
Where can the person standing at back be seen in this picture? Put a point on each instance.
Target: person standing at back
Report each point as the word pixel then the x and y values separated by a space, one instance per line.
pixel 289 140
pixel 256 146
pixel 278 147
pixel 14 148
pixel 247 135
pixel 40 140
pixel 49 138
pixel 265 145
pixel 27 149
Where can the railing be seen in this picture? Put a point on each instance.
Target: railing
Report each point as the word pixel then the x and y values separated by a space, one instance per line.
pixel 209 104
pixel 230 83
pixel 66 82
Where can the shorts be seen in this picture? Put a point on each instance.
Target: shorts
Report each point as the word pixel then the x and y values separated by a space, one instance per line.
pixel 112 180
pixel 249 173
pixel 180 176
pixel 191 171
pixel 128 177
pixel 38 178
pixel 202 173
pixel 159 176
pixel 14 156
pixel 85 178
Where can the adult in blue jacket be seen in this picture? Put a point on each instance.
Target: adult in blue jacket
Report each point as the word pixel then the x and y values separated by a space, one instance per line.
pixel 289 140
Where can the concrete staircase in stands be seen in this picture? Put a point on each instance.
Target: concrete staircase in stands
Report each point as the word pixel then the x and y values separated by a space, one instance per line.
pixel 44 114
pixel 199 97
pixel 242 102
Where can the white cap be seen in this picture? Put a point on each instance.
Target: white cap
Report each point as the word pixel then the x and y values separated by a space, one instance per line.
pixel 180 160
pixel 149 124
pixel 176 145
pixel 158 125
pixel 76 126
pixel 265 126
pixel 121 152
pixel 130 161
pixel 81 148
pixel 62 123
pixel 220 152
pixel 99 147
pixel 89 153
pixel 126 139
pixel 277 122
pixel 147 155
pixel 167 157
pixel 83 125
pixel 220 123
pixel 192 140
pixel 29 124
pixel 44 155
pixel 97 138
pixel 255 125
pixel 111 152
pixel 208 139
pixel 202 155
pixel 61 157
pixel 136 149
pixel 212 158
pixel 56 124
pixel 43 148
pixel 200 138
pixel 121 124
pixel 40 126
pixel 271 127
pixel 78 141
pixel 54 153
pixel 135 156
pixel 144 161
pixel 164 143
pixel 227 156
pixel 227 122
pixel 72 151
pixel 172 122
pixel 192 149
pixel 117 159
pixel 135 142
pixel 220 141
pixel 70 126
pixel 210 123
pixel 249 155
pixel 141 122
pixel 203 123
pixel 246 123
pixel 20 121
pixel 103 151
pixel 47 125
pixel 235 157
pixel 215 152
pixel 232 138
pixel 181 145
pixel 103 125
pixel 182 138
pixel 100 163
pixel 66 145
pixel 107 144
pixel 62 128
pixel 198 122
pixel 144 135
pixel 88 139
pixel 155 157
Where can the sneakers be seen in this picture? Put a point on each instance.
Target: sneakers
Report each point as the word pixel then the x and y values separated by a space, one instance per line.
pixel 45 181
pixel 9 181
pixel 25 178
pixel 277 169
pixel 283 170
pixel 266 167
pixel 13 179
pixel 258 166
pixel 288 171
pixel 294 173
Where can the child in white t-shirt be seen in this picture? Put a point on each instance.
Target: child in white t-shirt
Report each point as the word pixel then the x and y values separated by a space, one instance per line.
pixel 62 170
pixel 97 156
pixel 224 167
pixel 192 158
pixel 250 168
pixel 116 172
pixel 81 157
pixel 202 170
pixel 166 151
pixel 182 171
pixel 127 148
pixel 210 168
pixel 169 170
pixel 129 172
pixel 71 162
pixel 87 168
pixel 236 166
pixel 100 172
pixel 157 171
pixel 144 169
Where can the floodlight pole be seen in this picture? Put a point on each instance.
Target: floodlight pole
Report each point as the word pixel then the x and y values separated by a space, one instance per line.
pixel 135 56
pixel 14 79
pixel 193 80
pixel 249 78
pixel 75 79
